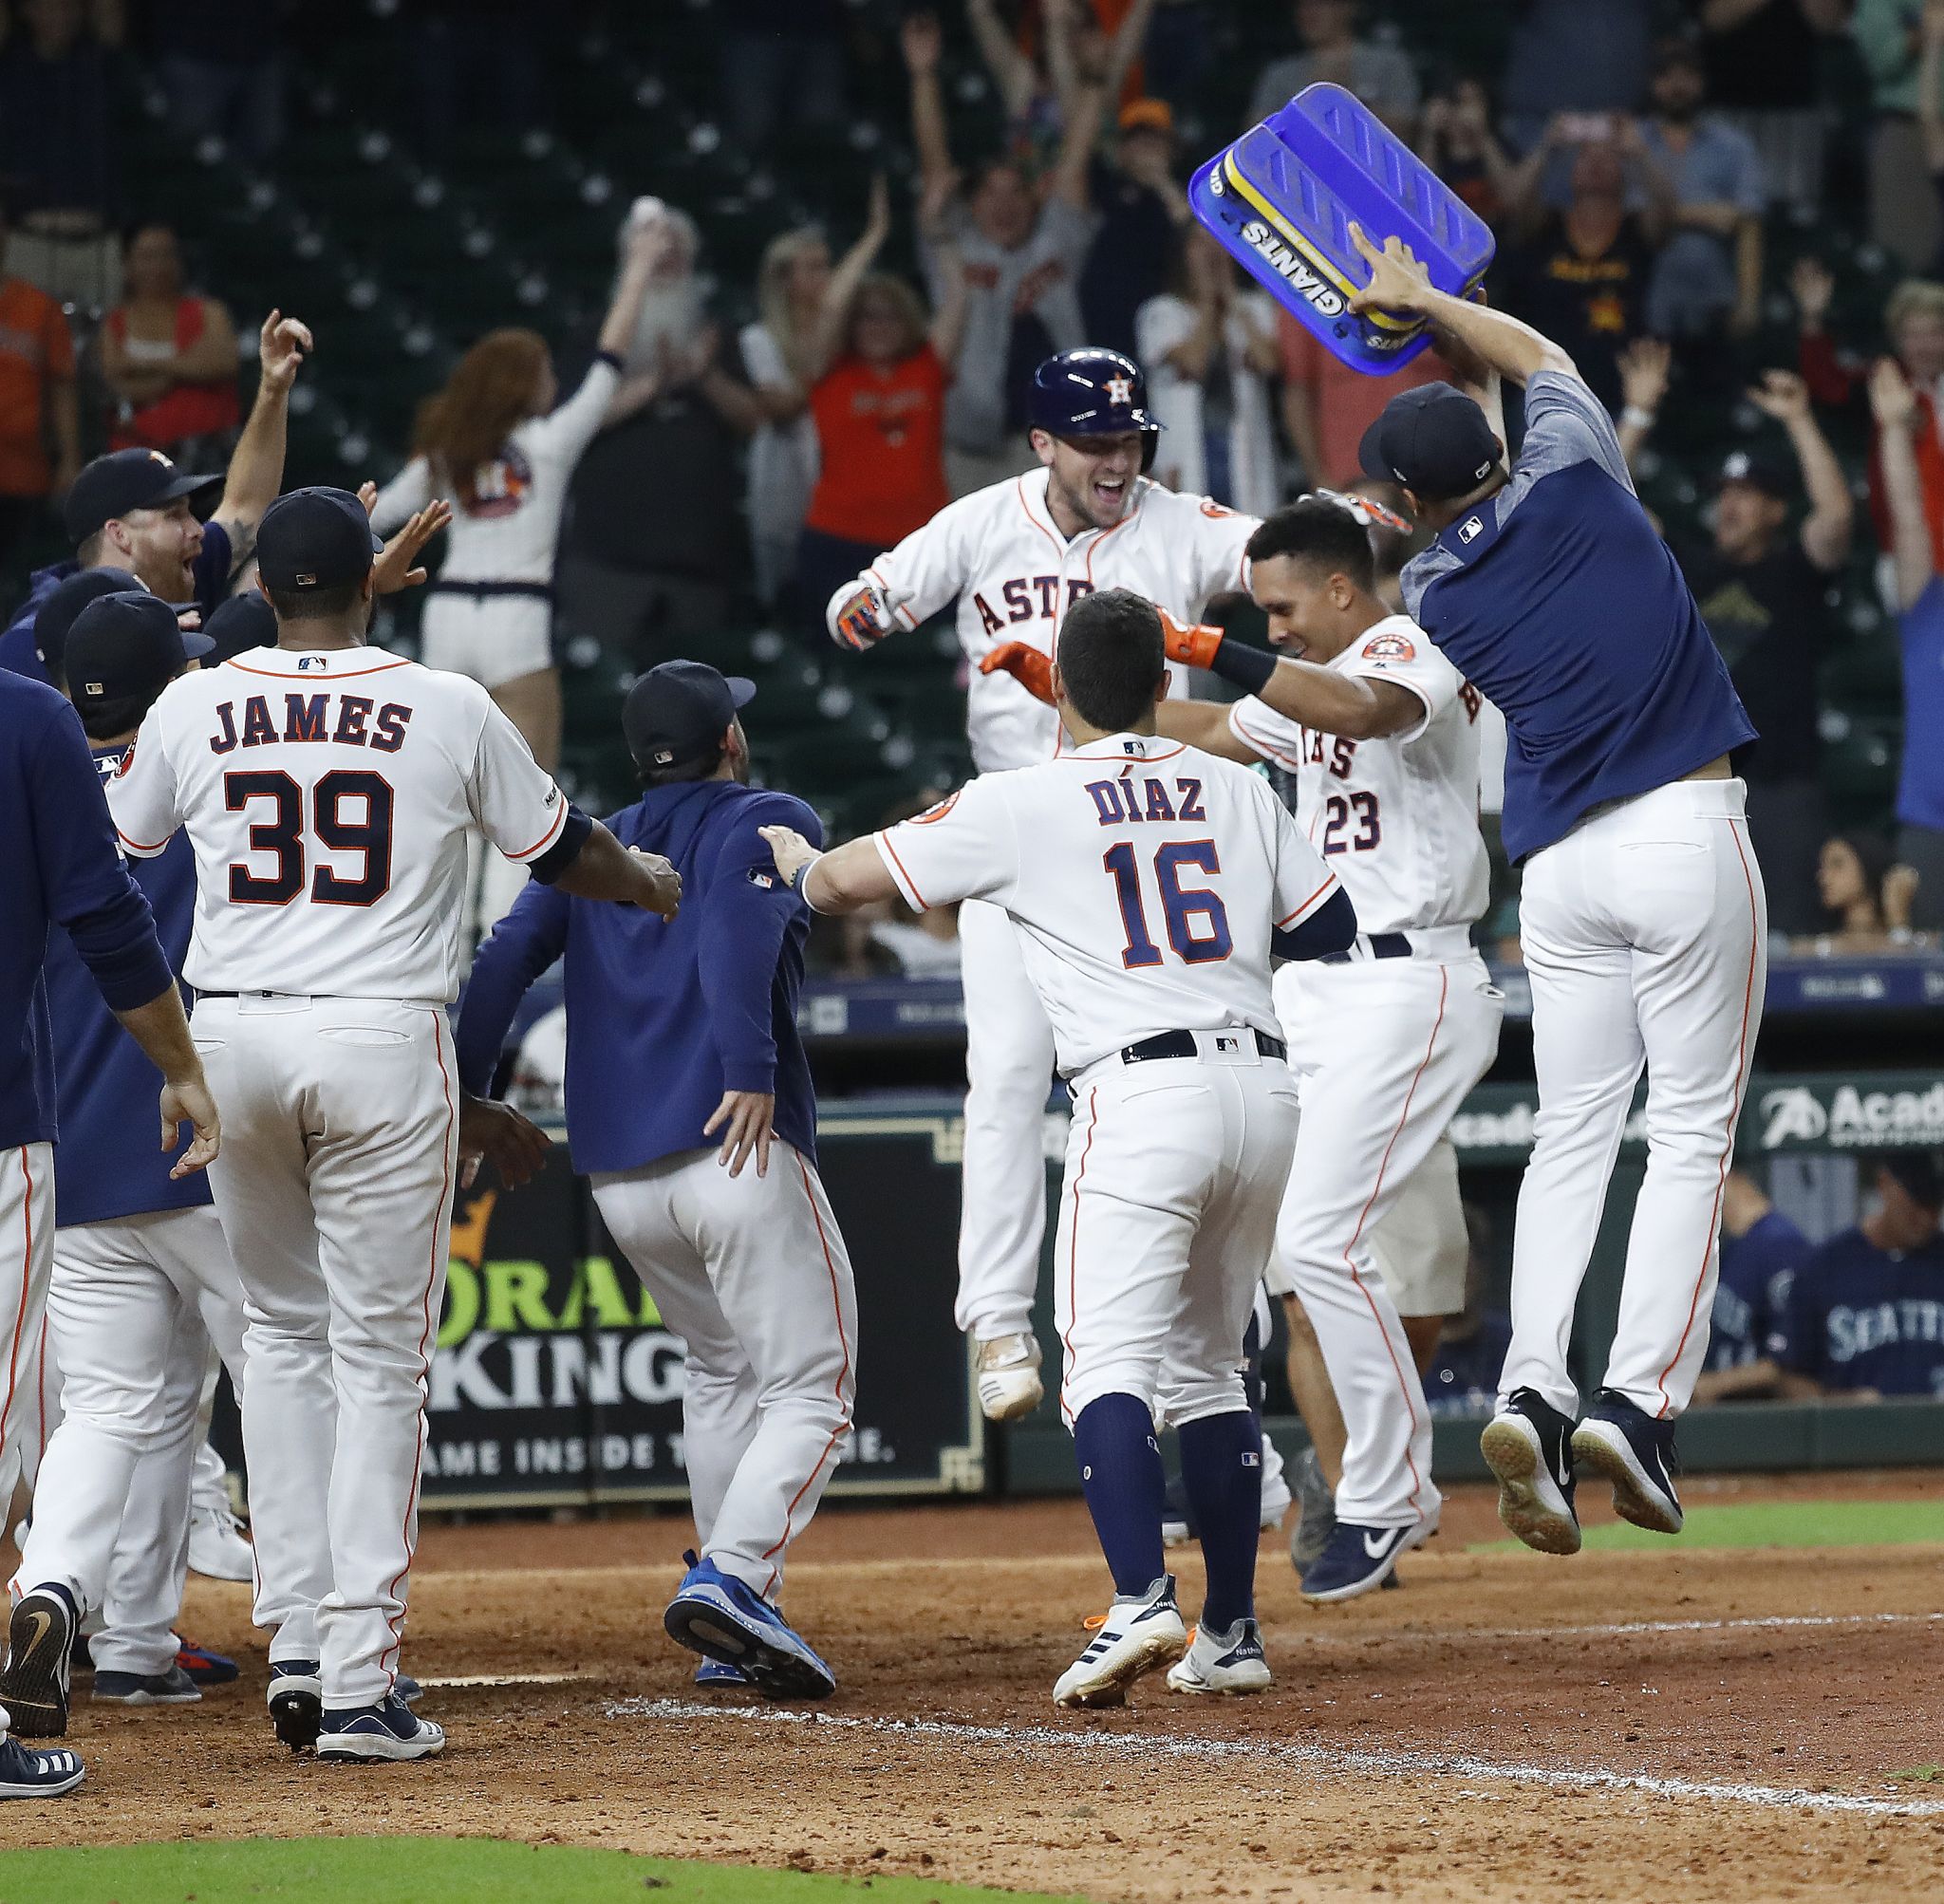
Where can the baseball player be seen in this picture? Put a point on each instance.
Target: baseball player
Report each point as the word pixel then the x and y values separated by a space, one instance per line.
pixel 1642 914
pixel 1147 883
pixel 1016 557
pixel 143 1280
pixel 326 791
pixel 709 1182
pixel 1375 727
pixel 62 868
pixel 217 1548
pixel 130 509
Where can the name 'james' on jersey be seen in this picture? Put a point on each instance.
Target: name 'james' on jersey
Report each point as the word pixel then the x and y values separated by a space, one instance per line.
pixel 1144 878
pixel 327 794
pixel 1396 818
pixel 1015 575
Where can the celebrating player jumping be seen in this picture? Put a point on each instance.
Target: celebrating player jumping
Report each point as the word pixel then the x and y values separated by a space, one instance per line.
pixel 1017 556
pixel 1642 913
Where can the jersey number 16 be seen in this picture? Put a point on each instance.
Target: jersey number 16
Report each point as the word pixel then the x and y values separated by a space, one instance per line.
pixel 1181 906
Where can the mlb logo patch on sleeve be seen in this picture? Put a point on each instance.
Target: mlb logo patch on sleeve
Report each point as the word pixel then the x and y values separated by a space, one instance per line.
pixel 766 879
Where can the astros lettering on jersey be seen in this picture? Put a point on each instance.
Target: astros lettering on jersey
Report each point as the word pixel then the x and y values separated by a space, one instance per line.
pixel 1015 576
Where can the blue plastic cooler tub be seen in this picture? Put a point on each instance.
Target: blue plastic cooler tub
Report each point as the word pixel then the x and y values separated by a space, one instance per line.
pixel 1281 200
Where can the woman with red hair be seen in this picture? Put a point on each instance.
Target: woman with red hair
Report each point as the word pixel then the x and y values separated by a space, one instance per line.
pixel 493 442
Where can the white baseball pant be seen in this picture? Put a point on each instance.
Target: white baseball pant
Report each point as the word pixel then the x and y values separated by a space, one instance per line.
pixel 334 1185
pixel 1008 1079
pixel 27 1255
pixel 1387 1049
pixel 133 1307
pixel 1174 1168
pixel 752 1272
pixel 1422 1249
pixel 1645 933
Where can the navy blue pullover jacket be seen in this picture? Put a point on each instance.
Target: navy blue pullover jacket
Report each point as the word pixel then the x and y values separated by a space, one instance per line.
pixel 662 1018
pixel 62 866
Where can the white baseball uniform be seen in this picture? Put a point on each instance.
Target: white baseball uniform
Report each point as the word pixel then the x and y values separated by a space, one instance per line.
pixel 133 1306
pixel 327 794
pixel 27 1256
pixel 1388 1042
pixel 490 614
pixel 1014 575
pixel 1143 879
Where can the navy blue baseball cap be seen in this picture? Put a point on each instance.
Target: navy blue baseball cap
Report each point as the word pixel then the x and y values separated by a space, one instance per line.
pixel 244 622
pixel 312 539
pixel 56 615
pixel 122 482
pixel 1433 439
pixel 680 710
pixel 125 646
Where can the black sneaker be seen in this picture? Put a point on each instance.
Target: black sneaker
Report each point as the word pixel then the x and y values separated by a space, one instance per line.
pixel 34 1685
pixel 1528 1444
pixel 296 1702
pixel 173 1688
pixel 1636 1454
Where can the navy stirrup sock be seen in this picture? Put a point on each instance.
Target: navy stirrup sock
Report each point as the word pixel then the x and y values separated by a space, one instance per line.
pixel 1121 1473
pixel 1222 1473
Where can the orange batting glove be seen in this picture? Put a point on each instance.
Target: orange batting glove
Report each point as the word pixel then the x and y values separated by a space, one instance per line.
pixel 1026 665
pixel 1192 643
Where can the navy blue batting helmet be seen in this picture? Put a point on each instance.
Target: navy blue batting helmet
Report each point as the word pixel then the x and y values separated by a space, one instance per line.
pixel 1092 392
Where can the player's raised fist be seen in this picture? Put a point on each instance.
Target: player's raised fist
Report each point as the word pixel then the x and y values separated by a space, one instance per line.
pixel 860 616
pixel 1193 644
pixel 1026 665
pixel 661 885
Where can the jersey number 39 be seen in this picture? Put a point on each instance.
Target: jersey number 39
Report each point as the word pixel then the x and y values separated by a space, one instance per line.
pixel 351 813
pixel 1181 906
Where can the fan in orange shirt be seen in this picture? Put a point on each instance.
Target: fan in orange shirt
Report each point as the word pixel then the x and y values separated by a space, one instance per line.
pixel 878 401
pixel 37 402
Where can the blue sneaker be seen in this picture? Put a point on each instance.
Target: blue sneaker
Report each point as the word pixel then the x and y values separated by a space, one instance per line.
pixel 720 1672
pixel 34 1685
pixel 1358 1560
pixel 407 1688
pixel 714 1614
pixel 1528 1446
pixel 1636 1454
pixel 36 1775
pixel 387 1731
pixel 296 1702
pixel 203 1666
pixel 173 1688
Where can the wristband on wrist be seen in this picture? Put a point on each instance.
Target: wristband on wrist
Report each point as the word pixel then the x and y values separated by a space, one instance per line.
pixel 1250 668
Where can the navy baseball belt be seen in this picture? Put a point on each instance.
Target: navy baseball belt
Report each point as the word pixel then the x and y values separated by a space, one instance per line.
pixel 1379 944
pixel 1183 1044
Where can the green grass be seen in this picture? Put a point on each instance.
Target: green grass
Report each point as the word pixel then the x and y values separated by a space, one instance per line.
pixel 1776 1524
pixel 433 1871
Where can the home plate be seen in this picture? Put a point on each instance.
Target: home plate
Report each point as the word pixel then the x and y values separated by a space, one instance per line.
pixel 505 1679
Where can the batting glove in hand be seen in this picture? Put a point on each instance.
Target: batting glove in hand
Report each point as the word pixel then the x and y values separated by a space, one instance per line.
pixel 1026 665
pixel 1193 644
pixel 862 618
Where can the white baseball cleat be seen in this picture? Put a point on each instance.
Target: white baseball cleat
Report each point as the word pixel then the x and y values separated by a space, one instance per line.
pixel 1009 1383
pixel 1134 1636
pixel 217 1548
pixel 1227 1662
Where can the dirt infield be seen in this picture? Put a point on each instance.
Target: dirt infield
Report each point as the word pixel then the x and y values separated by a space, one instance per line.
pixel 1620 1726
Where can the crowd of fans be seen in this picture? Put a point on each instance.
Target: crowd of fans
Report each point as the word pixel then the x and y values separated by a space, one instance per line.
pixel 779 420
